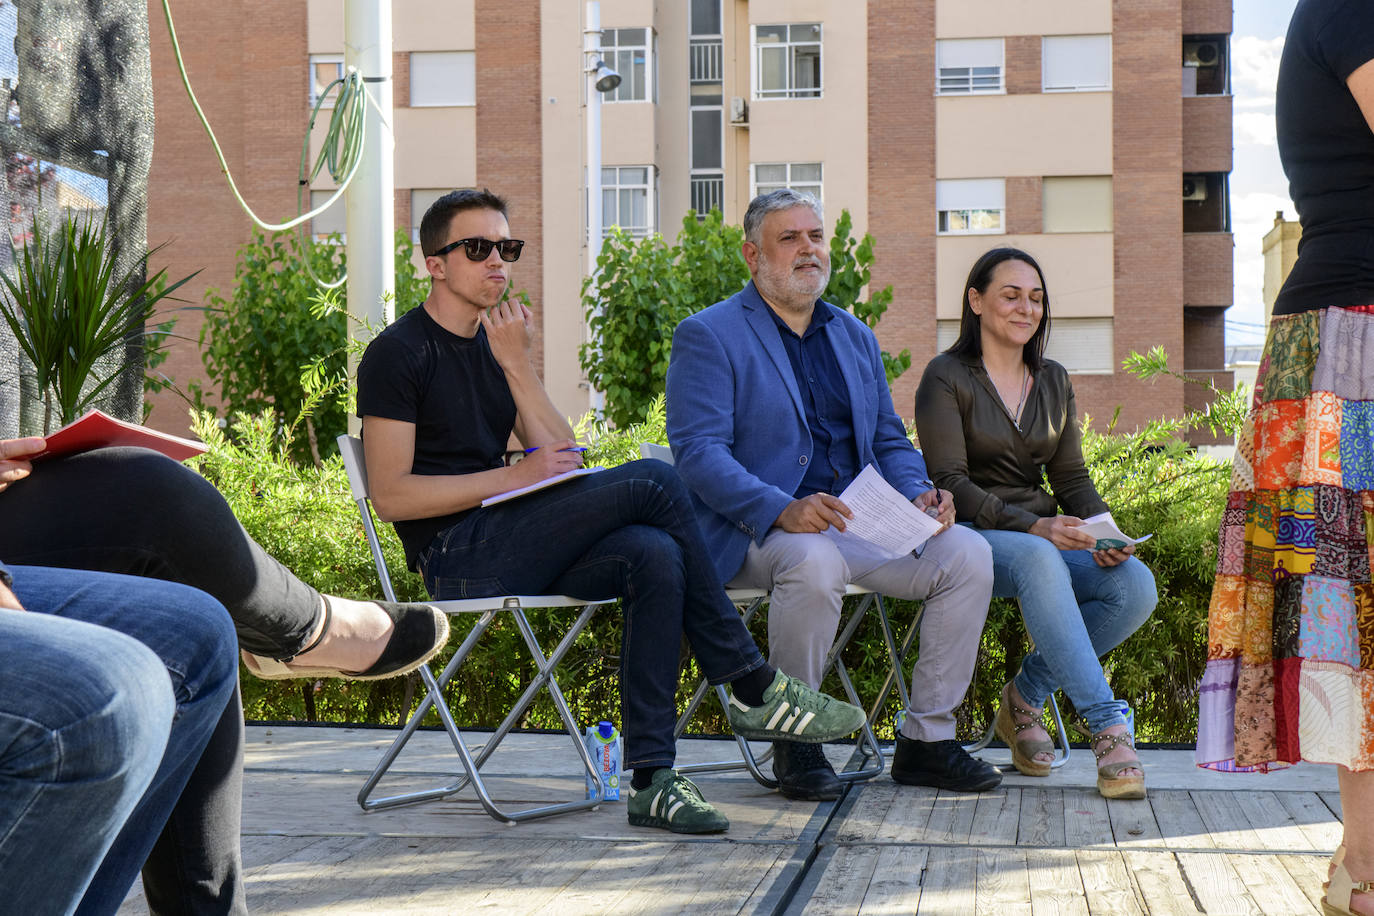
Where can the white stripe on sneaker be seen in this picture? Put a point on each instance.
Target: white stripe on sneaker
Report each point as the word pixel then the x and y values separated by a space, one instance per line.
pixel 674 810
pixel 738 705
pixel 777 714
pixel 653 806
pixel 787 723
pixel 805 721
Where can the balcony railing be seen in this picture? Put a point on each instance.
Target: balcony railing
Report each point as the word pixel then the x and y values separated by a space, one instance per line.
pixel 708 192
pixel 704 57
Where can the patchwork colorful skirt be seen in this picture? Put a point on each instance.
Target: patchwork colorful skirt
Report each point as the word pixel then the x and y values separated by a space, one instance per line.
pixel 1290 629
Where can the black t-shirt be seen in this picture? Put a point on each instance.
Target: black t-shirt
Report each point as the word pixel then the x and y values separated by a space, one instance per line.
pixel 1327 150
pixel 455 393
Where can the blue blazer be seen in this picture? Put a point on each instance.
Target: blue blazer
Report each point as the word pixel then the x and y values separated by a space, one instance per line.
pixel 737 424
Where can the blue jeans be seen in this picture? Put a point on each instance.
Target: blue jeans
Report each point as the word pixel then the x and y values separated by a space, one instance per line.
pixel 1075 612
pixel 627 532
pixel 110 690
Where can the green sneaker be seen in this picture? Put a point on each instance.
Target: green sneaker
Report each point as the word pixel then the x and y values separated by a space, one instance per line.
pixel 674 803
pixel 792 711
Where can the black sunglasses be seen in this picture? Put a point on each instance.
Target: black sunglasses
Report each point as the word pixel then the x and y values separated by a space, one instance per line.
pixel 478 249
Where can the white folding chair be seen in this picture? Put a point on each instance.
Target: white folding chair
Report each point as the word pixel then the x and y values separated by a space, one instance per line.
pixel 749 601
pixel 489 610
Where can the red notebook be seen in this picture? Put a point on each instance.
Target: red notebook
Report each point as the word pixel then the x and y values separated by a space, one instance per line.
pixel 98 430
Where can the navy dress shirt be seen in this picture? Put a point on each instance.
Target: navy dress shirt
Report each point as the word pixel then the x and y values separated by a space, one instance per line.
pixel 825 395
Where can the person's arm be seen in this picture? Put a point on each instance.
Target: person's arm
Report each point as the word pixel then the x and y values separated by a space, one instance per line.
pixel 7 598
pixel 940 426
pixel 398 494
pixel 1361 85
pixel 701 424
pixel 537 421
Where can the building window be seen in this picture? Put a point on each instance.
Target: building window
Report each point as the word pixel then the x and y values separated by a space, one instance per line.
pixel 1206 202
pixel 970 206
pixel 1081 345
pixel 421 199
pixel 1205 67
pixel 966 66
pixel 442 78
pixel 1076 63
pixel 324 69
pixel 627 199
pixel 799 176
pixel 629 52
pixel 331 221
pixel 787 61
pixel 1078 204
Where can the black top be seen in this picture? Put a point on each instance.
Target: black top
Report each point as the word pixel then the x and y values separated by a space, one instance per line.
pixel 974 450
pixel 455 393
pixel 825 395
pixel 1327 151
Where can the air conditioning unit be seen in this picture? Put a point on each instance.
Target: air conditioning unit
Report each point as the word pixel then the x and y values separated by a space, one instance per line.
pixel 1201 53
pixel 739 111
pixel 1194 187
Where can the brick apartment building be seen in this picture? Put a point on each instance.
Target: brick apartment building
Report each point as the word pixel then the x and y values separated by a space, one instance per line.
pixel 1095 134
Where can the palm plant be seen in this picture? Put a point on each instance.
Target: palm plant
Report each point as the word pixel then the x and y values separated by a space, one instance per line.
pixel 71 310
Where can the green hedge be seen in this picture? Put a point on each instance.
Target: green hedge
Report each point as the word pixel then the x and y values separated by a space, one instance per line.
pixel 305 517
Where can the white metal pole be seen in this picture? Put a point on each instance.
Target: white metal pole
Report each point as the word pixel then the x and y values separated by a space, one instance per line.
pixel 591 52
pixel 370 200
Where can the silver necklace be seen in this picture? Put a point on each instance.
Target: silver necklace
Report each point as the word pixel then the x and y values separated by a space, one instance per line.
pixel 1014 416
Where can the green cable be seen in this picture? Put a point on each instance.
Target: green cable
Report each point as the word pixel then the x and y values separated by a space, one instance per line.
pixel 342 148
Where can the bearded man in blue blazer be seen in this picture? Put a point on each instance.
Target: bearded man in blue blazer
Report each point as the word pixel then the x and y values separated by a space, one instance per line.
pixel 776 401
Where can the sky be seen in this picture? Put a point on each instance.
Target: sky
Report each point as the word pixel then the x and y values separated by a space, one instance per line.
pixel 1258 186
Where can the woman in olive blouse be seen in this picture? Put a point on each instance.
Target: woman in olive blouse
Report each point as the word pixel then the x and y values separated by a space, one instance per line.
pixel 992 412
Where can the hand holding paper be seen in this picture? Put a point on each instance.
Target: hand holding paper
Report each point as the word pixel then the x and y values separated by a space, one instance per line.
pixel 884 518
pixel 1109 536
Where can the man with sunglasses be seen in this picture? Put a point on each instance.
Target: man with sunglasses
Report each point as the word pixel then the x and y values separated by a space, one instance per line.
pixel 440 392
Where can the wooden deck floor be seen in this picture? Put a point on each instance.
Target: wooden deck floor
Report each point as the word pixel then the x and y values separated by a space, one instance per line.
pixel 1201 843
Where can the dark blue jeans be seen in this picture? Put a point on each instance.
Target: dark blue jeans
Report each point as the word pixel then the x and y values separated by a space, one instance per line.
pixel 628 532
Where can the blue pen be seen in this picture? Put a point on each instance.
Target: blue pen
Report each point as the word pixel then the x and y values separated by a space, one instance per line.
pixel 575 448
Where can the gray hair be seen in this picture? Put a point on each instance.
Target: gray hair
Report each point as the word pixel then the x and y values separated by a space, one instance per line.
pixel 781 199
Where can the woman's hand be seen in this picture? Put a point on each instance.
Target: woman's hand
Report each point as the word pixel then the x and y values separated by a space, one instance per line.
pixel 1113 556
pixel 1062 531
pixel 14 465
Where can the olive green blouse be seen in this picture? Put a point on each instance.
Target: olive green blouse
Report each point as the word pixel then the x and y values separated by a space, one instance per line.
pixel 973 449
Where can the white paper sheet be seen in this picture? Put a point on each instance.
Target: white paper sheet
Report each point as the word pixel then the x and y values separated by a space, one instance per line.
pixel 1103 527
pixel 886 520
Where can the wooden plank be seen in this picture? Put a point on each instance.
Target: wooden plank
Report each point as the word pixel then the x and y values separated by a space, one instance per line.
pixel 1322 826
pixel 1180 825
pixel 1332 800
pixel 995 818
pixel 744 871
pixel 1160 883
pixel 1216 885
pixel 1133 824
pixel 1042 818
pixel 865 817
pixel 1055 884
pixel 906 817
pixel 1274 824
pixel 1107 883
pixel 951 818
pixel 527 868
pixel 1229 826
pixel 600 886
pixel 1309 873
pixel 949 883
pixel 1086 821
pixel 678 880
pixel 844 882
pixel 1271 886
pixel 1003 887
pixel 897 880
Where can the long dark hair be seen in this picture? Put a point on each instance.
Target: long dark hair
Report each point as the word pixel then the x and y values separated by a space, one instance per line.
pixel 970 340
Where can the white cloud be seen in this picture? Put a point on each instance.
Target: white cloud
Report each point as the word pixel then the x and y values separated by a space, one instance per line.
pixel 1255 127
pixel 1255 66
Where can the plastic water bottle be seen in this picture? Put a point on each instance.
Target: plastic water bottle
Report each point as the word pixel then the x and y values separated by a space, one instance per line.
pixel 603 746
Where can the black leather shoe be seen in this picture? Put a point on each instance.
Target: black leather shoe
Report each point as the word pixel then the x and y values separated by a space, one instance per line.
pixel 942 764
pixel 803 772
